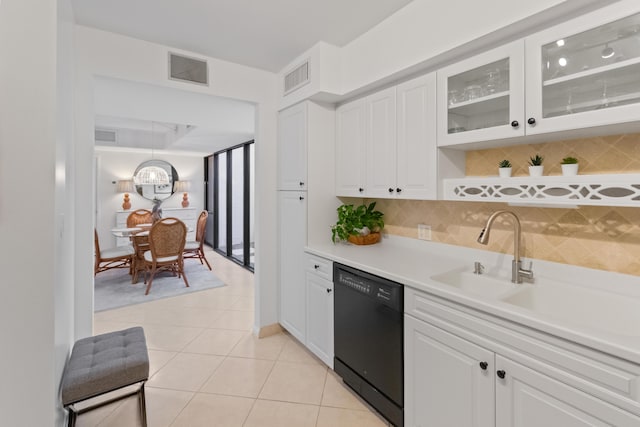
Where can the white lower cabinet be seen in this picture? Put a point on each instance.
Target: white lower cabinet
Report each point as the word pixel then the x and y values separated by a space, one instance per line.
pixel 456 376
pixel 444 382
pixel 527 398
pixel 320 317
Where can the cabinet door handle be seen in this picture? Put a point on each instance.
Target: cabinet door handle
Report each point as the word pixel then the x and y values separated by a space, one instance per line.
pixel 484 365
pixel 301 198
pixel 515 124
pixel 301 184
pixel 531 121
pixel 501 374
pixel 361 189
pixel 329 290
pixel 391 190
pixel 398 190
pixel 316 266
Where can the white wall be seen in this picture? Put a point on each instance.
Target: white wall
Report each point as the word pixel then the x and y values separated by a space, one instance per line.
pixel 63 253
pixel 114 165
pixel 109 55
pixel 424 29
pixel 28 212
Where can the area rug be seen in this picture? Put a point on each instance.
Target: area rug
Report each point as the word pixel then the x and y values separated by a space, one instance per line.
pixel 113 288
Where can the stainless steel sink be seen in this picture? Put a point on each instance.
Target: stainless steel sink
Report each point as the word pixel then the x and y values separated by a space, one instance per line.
pixel 478 284
pixel 574 305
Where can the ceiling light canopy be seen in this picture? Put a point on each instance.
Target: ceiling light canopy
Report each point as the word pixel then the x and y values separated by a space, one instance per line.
pixel 607 52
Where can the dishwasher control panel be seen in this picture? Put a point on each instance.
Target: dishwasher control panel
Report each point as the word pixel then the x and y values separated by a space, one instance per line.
pixel 354 282
pixel 385 291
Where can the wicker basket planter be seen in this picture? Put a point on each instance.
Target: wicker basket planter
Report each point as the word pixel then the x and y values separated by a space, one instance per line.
pixel 369 239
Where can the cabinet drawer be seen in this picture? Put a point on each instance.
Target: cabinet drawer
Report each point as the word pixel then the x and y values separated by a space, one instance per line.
pixel 320 266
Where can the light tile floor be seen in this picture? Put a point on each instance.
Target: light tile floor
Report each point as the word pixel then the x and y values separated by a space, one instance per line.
pixel 207 369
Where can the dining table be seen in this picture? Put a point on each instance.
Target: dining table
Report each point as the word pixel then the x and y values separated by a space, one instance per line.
pixel 139 236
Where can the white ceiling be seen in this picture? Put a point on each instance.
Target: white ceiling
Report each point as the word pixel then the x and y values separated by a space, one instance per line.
pixel 266 34
pixel 143 115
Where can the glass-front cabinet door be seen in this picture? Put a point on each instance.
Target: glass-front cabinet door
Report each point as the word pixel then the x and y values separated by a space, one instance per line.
pixel 482 98
pixel 585 72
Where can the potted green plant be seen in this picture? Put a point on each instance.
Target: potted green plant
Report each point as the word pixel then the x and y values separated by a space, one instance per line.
pixel 504 168
pixel 360 225
pixel 536 168
pixel 569 166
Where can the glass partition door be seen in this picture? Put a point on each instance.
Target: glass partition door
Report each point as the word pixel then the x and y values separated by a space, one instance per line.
pixel 230 197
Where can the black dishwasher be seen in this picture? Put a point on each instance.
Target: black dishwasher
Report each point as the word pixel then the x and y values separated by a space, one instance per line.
pixel 368 334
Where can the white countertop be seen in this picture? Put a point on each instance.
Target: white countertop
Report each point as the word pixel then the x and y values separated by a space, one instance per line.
pixel 413 262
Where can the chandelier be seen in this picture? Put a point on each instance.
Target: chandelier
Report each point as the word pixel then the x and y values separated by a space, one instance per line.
pixel 152 175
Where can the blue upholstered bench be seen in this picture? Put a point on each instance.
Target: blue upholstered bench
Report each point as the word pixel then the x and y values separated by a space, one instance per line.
pixel 105 363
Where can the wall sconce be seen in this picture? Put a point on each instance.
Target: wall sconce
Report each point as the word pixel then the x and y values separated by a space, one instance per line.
pixel 125 186
pixel 182 186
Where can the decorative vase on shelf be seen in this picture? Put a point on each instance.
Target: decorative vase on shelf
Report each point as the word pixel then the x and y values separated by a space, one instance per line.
pixel 504 172
pixel 570 169
pixel 569 166
pixel 536 170
pixel 504 168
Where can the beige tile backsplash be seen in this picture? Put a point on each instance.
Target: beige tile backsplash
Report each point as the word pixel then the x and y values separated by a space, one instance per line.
pixel 606 238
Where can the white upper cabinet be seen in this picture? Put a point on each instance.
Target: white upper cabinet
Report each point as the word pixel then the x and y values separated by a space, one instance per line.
pixel 482 98
pixel 381 143
pixel 585 72
pixel 416 162
pixel 580 74
pixel 292 148
pixel 386 143
pixel 350 149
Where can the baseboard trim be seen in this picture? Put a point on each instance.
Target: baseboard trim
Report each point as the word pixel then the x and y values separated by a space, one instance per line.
pixel 267 331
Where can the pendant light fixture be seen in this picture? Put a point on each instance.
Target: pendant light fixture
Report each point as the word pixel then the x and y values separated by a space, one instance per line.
pixel 152 175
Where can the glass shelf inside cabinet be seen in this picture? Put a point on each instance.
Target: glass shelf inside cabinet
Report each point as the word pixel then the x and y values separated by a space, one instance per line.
pixel 479 98
pixel 592 70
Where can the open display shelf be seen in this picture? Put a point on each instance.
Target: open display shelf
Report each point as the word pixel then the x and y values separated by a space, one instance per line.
pixel 595 190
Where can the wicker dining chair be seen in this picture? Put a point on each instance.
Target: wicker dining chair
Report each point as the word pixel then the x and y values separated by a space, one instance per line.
pixel 107 259
pixel 195 249
pixel 140 216
pixel 140 244
pixel 167 238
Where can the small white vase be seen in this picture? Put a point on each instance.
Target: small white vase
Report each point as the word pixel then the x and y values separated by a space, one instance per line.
pixel 536 170
pixel 570 170
pixel 504 172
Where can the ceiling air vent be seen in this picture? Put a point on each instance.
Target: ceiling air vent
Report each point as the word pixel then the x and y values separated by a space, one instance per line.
pixel 106 136
pixel 296 78
pixel 188 69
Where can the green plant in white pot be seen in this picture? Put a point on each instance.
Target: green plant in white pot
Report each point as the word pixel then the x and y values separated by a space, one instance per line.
pixel 569 166
pixel 536 168
pixel 504 168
